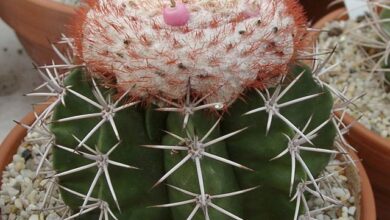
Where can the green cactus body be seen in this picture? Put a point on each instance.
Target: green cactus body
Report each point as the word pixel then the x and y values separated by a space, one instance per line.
pixel 251 146
pixel 255 148
pixel 132 186
pixel 218 178
pixel 385 14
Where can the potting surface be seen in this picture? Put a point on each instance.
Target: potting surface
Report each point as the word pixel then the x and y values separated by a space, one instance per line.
pixel 354 75
pixel 17 77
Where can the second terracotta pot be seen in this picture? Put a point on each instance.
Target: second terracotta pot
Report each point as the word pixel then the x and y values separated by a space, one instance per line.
pixel 373 149
pixel 37 24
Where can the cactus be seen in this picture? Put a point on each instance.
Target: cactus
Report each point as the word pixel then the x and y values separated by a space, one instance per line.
pixel 214 119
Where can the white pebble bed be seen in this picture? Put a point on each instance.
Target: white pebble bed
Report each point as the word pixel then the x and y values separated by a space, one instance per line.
pixel 352 74
pixel 22 194
pixel 337 188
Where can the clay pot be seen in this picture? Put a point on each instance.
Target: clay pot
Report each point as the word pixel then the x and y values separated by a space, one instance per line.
pixel 37 24
pixel 317 9
pixel 361 184
pixel 373 149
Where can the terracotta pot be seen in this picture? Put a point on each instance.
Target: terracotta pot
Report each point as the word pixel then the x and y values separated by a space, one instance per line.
pixel 37 23
pixel 373 149
pixel 366 204
pixel 315 10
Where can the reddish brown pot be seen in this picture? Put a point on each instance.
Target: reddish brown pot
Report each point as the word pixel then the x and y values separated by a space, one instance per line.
pixel 317 9
pixel 372 148
pixel 366 206
pixel 37 23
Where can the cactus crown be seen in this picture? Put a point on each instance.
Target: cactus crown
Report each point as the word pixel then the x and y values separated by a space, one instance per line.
pixel 226 46
pixel 111 154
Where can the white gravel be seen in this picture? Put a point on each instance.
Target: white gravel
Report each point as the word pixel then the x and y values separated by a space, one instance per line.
pixel 22 194
pixel 336 187
pixel 355 75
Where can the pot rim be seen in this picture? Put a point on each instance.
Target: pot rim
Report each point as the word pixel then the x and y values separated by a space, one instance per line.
pixel 358 129
pixel 367 201
pixel 13 140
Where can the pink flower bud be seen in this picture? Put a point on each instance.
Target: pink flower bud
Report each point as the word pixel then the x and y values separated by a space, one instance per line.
pixel 177 15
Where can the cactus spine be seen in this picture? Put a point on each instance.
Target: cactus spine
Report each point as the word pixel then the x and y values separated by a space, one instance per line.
pixel 140 137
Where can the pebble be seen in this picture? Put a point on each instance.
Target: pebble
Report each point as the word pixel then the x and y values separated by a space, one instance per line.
pixel 34 217
pixel 26 154
pixel 352 210
pixel 19 166
pixel 12 216
pixel 18 204
pixel 53 216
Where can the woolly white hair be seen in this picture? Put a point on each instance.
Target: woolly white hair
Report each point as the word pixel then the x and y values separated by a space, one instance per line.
pixel 222 49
